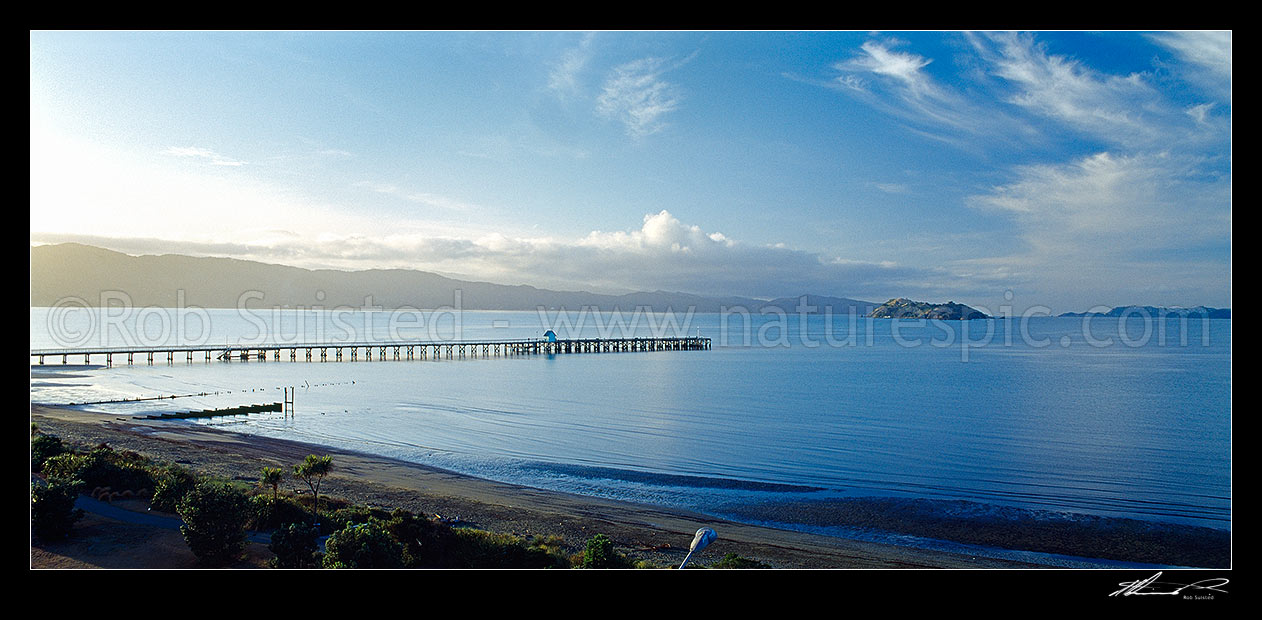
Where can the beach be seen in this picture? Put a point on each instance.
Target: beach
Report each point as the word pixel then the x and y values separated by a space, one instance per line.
pixel 657 535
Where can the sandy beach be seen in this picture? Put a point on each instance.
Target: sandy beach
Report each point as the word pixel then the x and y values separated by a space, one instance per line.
pixel 659 535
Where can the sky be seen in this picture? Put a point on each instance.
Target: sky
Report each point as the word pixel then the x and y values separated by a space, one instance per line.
pixel 1059 169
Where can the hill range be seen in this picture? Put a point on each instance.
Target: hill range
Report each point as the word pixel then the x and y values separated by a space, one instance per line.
pixel 93 276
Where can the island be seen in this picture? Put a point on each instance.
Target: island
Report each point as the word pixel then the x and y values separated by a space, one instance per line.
pixel 1197 312
pixel 902 308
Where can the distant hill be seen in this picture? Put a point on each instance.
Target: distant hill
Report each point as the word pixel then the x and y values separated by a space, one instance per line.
pixel 85 272
pixel 1158 311
pixel 901 308
pixel 818 304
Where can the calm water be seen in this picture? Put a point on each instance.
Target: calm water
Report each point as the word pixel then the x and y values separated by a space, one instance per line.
pixel 1111 417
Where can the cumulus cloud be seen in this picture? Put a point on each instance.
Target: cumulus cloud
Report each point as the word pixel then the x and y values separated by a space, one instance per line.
pixel 663 253
pixel 666 254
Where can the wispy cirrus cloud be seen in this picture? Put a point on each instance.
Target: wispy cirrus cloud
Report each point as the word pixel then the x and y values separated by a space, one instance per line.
pixel 1207 50
pixel 897 82
pixel 207 155
pixel 425 198
pixel 1147 210
pixel 902 67
pixel 1119 109
pixel 636 95
pixel 1012 86
pixel 564 77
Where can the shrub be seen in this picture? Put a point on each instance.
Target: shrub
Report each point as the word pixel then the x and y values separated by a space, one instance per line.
pixel 426 543
pixel 102 467
pixel 52 508
pixel 732 560
pixel 44 447
pixel 268 513
pixel 338 519
pixel 171 484
pixel 65 465
pixel 295 547
pixel 481 549
pixel 214 517
pixel 599 553
pixel 363 545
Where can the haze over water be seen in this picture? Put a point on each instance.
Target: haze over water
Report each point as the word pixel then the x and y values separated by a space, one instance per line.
pixel 1040 415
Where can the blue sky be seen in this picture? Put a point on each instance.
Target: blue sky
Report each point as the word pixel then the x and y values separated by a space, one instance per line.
pixel 1073 169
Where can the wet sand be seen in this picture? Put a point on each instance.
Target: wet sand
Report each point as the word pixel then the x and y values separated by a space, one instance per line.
pixel 655 534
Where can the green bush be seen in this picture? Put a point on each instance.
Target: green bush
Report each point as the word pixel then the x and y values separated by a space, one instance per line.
pixel 65 465
pixel 481 549
pixel 102 467
pixel 214 517
pixel 732 560
pixel 268 513
pixel 171 484
pixel 363 545
pixel 335 520
pixel 52 508
pixel 599 553
pixel 426 543
pixel 295 547
pixel 44 447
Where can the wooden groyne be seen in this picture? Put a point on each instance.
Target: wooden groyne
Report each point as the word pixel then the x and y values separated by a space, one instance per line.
pixel 215 413
pixel 368 351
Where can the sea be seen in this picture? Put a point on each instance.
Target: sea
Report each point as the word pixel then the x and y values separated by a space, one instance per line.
pixel 1093 419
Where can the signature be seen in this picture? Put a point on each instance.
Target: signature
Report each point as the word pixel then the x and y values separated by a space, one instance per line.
pixel 1151 586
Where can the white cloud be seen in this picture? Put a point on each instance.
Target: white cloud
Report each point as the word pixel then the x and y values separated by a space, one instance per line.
pixel 1012 86
pixel 1148 200
pixel 900 86
pixel 1106 226
pixel 215 159
pixel 425 198
pixel 1119 108
pixel 564 76
pixel 1199 112
pixel 636 95
pixel 662 254
pixel 902 67
pixel 1208 49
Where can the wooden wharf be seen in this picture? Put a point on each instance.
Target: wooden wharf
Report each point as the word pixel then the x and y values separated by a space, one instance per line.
pixel 368 351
